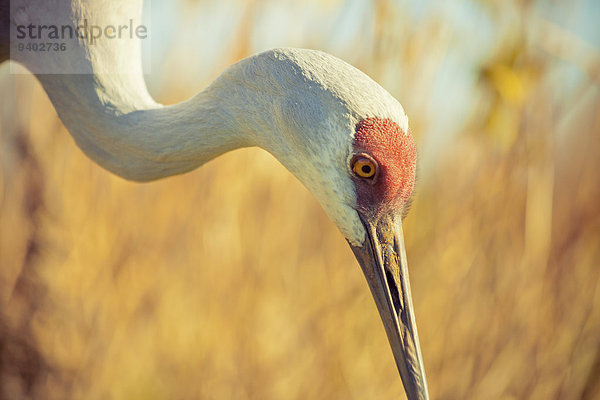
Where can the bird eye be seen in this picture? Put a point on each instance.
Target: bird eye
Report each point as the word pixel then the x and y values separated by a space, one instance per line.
pixel 364 166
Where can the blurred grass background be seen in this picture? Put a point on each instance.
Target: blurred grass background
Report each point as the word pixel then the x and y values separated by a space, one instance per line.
pixel 231 283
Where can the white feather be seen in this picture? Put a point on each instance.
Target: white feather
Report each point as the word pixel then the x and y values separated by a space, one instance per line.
pixel 300 105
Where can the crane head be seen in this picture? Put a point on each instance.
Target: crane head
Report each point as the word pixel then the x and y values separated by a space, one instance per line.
pixel 347 140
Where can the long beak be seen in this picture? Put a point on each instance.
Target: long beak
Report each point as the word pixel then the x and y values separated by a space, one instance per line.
pixel 383 261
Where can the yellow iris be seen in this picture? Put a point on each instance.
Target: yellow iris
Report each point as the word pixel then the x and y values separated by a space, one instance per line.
pixel 363 167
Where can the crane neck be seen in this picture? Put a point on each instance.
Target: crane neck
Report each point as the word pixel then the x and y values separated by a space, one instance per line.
pixel 98 90
pixel 116 123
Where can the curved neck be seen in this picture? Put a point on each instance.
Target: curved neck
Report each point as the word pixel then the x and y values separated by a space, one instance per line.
pixel 99 93
pixel 118 125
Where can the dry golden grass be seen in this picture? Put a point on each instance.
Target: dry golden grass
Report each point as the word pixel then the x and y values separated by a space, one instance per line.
pixel 231 283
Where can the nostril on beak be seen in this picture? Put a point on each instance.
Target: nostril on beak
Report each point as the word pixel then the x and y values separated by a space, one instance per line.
pixel 394 292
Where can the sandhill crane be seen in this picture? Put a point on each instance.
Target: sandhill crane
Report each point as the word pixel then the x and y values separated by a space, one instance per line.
pixel 340 133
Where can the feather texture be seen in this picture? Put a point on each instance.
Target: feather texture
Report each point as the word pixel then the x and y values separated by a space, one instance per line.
pixel 300 105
